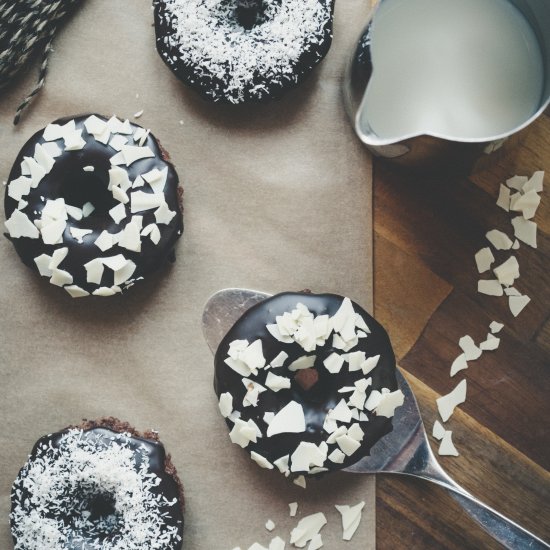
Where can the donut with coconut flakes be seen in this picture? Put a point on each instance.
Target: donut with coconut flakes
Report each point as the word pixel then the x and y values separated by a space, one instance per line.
pixel 237 51
pixel 95 486
pixel 93 204
pixel 306 383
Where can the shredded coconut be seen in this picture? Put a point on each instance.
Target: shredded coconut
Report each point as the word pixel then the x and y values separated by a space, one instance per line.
pixel 238 62
pixel 55 491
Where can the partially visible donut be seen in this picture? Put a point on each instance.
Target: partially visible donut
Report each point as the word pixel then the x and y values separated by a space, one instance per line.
pixel 93 204
pixel 243 50
pixel 98 485
pixel 306 382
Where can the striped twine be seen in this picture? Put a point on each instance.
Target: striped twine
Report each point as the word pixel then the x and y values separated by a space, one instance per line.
pixel 28 27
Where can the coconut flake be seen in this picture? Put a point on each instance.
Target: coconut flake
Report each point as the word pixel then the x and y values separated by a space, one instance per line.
pixel 226 404
pixel 389 402
pixel 279 361
pixel 282 464
pixel 471 351
pixel 303 362
pixel 333 363
pixel 499 240
pixel 438 431
pixel 504 198
pixel 495 327
pixel 261 461
pixel 94 271
pixel 19 225
pixel 253 392
pixel 133 153
pixel 446 447
pixel 277 543
pixel 351 518
pixel 517 182
pixel 484 258
pixel 459 364
pixel 348 444
pixel 87 209
pixel 491 287
pixel 535 183
pixel 527 204
pixel 490 344
pixel 105 241
pixel 76 292
pixel 276 383
pixel 517 304
pixel 290 419
pixel 140 201
pixel 19 187
pixel 79 234
pixel 308 455
pixel 508 271
pixel 300 481
pixel 340 413
pixel 244 432
pixel 293 506
pixel 525 231
pixel 447 403
pixel 307 528
pixel 118 213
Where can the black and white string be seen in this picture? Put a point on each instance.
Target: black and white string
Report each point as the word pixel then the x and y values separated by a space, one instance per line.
pixel 28 28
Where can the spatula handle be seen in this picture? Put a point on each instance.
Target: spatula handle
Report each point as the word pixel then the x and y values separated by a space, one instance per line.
pixel 504 530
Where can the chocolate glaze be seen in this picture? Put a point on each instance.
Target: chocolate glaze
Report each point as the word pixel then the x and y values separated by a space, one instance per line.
pixel 68 180
pixel 323 395
pixel 159 463
pixel 210 86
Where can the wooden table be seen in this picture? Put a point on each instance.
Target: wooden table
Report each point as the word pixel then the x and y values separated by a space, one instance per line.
pixel 426 235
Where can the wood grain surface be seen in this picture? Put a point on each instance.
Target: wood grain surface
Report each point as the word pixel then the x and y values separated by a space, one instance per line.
pixel 426 235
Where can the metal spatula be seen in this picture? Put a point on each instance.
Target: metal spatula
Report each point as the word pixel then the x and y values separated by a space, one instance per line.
pixel 404 451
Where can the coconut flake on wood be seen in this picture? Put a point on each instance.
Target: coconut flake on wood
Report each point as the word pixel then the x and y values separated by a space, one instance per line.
pixel 484 258
pixel 447 403
pixel 438 431
pixel 525 231
pixel 459 364
pixel 517 182
pixel 490 287
pixel 517 304
pixel 504 198
pixel 527 204
pixel 499 240
pixel 468 346
pixel 446 447
pixel 508 271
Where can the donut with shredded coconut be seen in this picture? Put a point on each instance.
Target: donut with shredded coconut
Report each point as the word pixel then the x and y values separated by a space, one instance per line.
pixel 96 486
pixel 237 51
pixel 306 383
pixel 93 204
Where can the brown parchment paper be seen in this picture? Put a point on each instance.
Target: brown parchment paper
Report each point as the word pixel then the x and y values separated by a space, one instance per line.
pixel 277 197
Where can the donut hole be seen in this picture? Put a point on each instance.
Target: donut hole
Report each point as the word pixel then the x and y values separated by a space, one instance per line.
pixel 251 13
pixel 314 385
pixel 94 514
pixel 91 187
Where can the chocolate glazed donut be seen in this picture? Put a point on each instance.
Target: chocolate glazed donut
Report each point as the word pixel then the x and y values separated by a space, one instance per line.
pixel 93 204
pixel 324 385
pixel 109 486
pixel 240 51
